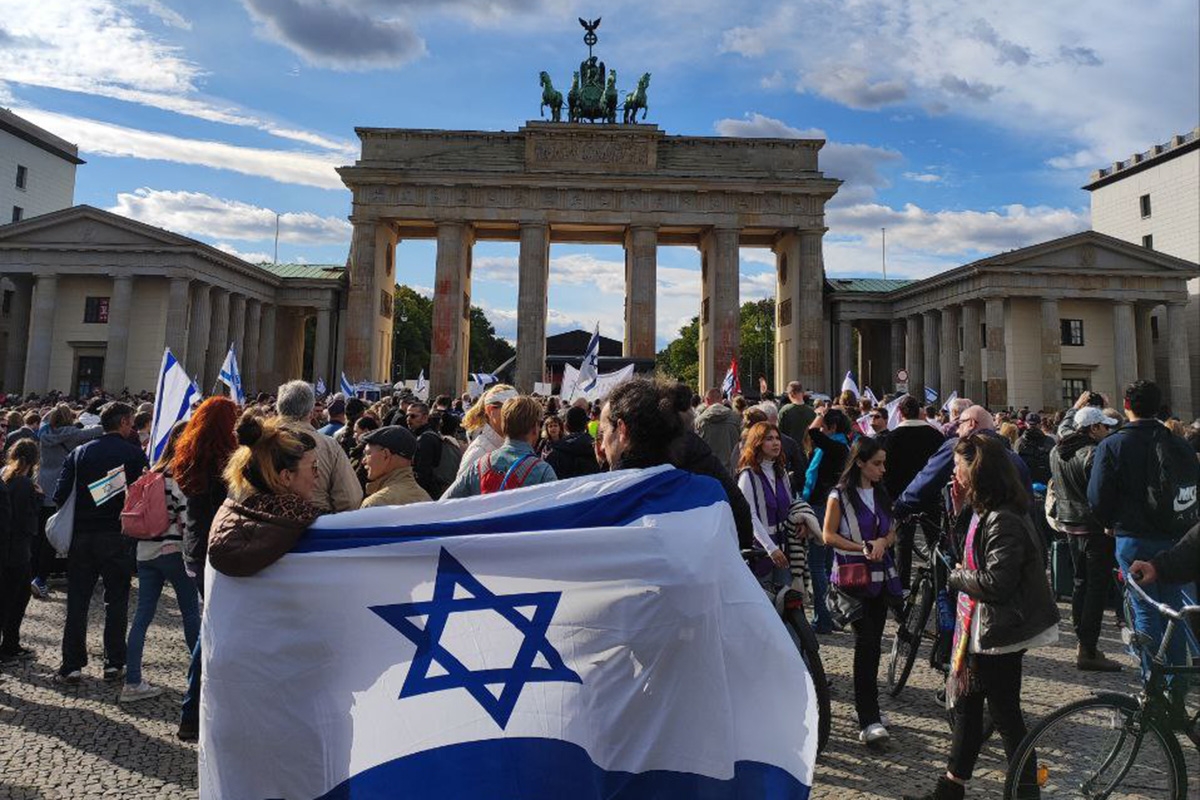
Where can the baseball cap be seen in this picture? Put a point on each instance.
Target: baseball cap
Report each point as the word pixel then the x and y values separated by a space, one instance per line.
pixel 395 438
pixel 1033 419
pixel 1088 416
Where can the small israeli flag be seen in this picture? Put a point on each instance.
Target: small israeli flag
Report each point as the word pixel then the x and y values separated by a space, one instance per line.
pixel 867 393
pixel 231 377
pixel 320 387
pixel 589 370
pixel 848 384
pixel 483 378
pixel 946 405
pixel 347 387
pixel 930 395
pixel 422 384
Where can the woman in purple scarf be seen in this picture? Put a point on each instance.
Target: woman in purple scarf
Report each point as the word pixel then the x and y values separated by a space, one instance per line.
pixel 763 479
pixel 860 527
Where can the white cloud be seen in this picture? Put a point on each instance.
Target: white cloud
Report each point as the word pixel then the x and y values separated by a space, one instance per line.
pixel 198 214
pixel 165 15
pixel 97 47
pixel 923 177
pixel 1111 84
pixel 252 257
pixel 102 138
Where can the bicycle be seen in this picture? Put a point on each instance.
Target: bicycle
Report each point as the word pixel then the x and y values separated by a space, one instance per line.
pixel 789 604
pixel 1114 746
pixel 929 580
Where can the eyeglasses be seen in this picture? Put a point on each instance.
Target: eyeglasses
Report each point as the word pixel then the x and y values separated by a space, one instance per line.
pixel 411 415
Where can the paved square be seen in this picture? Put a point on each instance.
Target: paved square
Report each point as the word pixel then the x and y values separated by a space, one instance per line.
pixel 72 743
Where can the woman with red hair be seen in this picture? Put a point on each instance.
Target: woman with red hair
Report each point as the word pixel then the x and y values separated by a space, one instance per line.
pixel 762 477
pixel 200 458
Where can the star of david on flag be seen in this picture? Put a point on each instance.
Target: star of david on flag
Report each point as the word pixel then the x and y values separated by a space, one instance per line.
pixel 528 612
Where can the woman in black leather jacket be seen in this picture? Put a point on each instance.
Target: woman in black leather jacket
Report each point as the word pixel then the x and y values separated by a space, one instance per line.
pixel 1005 606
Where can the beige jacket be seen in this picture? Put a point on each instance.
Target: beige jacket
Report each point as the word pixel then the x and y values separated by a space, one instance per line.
pixel 338 488
pixel 397 488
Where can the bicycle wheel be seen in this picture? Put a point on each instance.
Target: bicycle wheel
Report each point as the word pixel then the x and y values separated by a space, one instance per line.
pixel 806 643
pixel 1100 747
pixel 907 641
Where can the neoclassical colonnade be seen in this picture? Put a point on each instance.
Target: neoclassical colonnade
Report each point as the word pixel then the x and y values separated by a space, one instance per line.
pixel 208 300
pixel 626 185
pixel 993 331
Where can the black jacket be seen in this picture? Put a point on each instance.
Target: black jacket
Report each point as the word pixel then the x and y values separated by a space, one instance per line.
pixel 24 503
pixel 1015 601
pixel 690 452
pixel 201 509
pixel 909 448
pixel 425 461
pixel 1117 486
pixel 1181 563
pixel 573 455
pixel 1034 449
pixel 88 464
pixel 1071 466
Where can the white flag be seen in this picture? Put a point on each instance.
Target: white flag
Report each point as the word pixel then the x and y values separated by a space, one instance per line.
pixel 231 377
pixel 601 387
pixel 173 398
pixel 946 405
pixel 422 390
pixel 580 639
pixel 848 384
pixel 867 393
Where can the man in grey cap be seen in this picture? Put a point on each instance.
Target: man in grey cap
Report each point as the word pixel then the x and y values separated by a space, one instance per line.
pixel 1093 552
pixel 388 458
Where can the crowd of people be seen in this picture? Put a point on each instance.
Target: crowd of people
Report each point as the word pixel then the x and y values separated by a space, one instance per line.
pixel 828 489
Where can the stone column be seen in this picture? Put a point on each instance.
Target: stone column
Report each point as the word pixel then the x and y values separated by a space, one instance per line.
pixel 533 284
pixel 787 309
pixel 845 352
pixel 177 318
pixel 972 366
pixel 18 334
pixel 812 311
pixel 897 350
pixel 1124 346
pixel 198 331
pixel 321 342
pixel 368 329
pixel 267 354
pixel 929 347
pixel 218 341
pixel 997 364
pixel 120 305
pixel 41 335
pixel 1182 402
pixel 1052 398
pixel 948 355
pixel 1145 341
pixel 720 311
pixel 237 327
pixel 249 361
pixel 914 357
pixel 451 311
pixel 641 291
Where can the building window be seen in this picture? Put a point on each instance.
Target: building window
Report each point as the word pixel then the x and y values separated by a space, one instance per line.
pixel 18 212
pixel 22 174
pixel 95 310
pixel 1071 389
pixel 1072 332
pixel 1148 241
pixel 1144 202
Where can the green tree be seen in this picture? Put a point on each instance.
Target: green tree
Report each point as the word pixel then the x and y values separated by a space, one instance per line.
pixel 412 337
pixel 681 358
pixel 488 350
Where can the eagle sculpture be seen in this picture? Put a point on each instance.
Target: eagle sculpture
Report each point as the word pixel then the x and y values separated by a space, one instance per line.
pixel 590 27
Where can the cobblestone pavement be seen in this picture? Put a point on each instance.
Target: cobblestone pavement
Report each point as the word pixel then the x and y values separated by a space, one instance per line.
pixel 73 743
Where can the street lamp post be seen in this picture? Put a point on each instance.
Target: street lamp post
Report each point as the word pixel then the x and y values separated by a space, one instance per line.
pixel 403 350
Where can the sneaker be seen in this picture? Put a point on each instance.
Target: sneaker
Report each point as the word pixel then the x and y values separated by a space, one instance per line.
pixel 884 720
pixel 39 589
pixel 112 674
pixel 873 734
pixel 188 731
pixel 73 678
pixel 131 693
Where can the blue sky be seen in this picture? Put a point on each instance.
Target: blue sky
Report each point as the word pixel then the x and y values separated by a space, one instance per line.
pixel 964 129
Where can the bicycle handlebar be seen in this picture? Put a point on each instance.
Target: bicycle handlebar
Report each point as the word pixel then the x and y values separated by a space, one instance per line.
pixel 1162 608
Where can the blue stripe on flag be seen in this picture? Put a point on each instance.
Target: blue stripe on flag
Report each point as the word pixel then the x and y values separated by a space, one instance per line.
pixel 664 493
pixel 551 769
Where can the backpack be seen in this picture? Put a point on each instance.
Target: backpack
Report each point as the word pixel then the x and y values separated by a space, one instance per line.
pixel 447 467
pixel 144 515
pixel 1172 505
pixel 493 480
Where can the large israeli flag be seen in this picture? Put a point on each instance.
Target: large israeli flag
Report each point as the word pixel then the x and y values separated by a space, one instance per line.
pixel 173 396
pixel 585 639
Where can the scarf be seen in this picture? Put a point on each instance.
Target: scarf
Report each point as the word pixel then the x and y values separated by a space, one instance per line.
pixel 962 679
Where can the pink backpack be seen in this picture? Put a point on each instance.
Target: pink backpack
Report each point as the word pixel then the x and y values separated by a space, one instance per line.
pixel 145 513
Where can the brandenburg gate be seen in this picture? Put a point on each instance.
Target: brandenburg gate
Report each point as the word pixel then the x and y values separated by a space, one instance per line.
pixel 624 184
